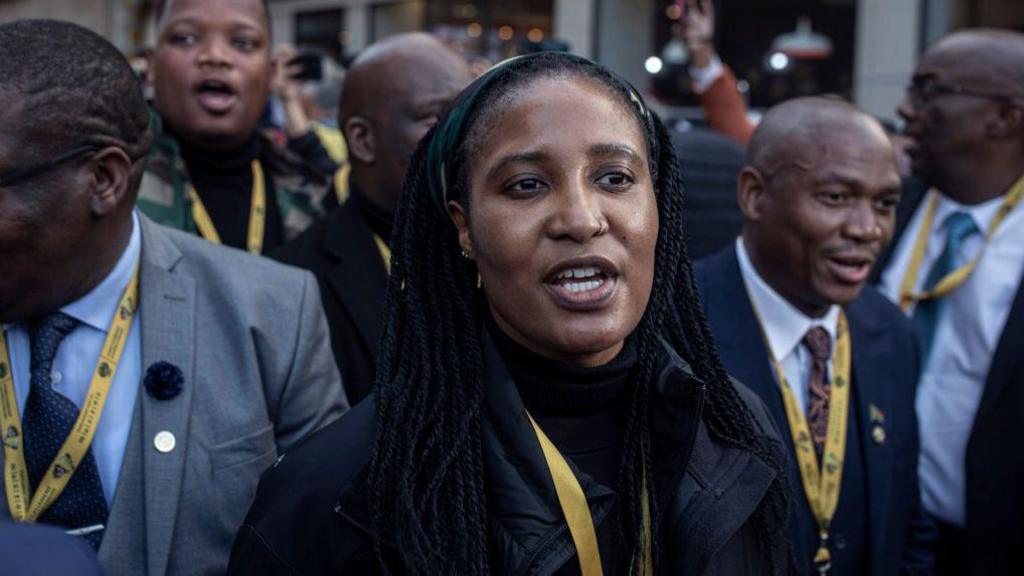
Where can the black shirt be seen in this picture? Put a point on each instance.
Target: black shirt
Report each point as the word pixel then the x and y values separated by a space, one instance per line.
pixel 584 412
pixel 224 180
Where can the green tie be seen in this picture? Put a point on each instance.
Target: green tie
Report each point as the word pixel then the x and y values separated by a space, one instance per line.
pixel 959 226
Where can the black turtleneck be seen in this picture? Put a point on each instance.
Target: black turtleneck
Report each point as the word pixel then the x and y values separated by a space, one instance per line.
pixel 584 411
pixel 377 218
pixel 223 179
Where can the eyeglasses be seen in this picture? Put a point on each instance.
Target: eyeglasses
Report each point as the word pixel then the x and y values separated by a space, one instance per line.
pixel 922 93
pixel 15 176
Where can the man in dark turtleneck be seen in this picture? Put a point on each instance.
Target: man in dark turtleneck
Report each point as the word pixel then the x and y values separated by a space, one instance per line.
pixel 211 171
pixel 393 94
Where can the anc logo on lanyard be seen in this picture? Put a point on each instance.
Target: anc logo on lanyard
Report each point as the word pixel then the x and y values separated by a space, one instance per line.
pixel 257 213
pixel 821 480
pixel 25 506
pixel 957 277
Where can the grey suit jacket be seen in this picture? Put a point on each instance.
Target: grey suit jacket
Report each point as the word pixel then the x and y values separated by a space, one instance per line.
pixel 250 338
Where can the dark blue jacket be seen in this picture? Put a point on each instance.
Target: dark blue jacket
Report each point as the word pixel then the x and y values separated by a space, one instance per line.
pixel 885 368
pixel 39 550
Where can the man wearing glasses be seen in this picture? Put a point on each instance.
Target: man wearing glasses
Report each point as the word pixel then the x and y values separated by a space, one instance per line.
pixel 956 267
pixel 147 377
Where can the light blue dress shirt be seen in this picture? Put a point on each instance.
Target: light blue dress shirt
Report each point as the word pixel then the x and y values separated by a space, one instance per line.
pixel 970 325
pixel 76 360
pixel 785 326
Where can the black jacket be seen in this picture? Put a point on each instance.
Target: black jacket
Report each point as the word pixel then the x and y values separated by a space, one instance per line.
pixel 341 253
pixel 995 450
pixel 310 515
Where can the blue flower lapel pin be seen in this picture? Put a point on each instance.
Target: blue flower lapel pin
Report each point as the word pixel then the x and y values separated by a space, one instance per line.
pixel 163 380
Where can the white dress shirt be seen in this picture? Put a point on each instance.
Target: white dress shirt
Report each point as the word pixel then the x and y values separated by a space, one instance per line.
pixel 785 327
pixel 76 360
pixel 968 329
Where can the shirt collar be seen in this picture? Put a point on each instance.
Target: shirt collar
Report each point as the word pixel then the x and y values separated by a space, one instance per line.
pixel 982 214
pixel 784 325
pixel 98 306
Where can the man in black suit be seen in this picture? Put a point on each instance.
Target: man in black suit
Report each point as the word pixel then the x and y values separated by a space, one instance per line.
pixel 393 94
pixel 956 267
pixel 794 322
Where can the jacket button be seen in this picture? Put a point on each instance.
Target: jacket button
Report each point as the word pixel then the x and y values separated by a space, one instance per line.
pixel 164 442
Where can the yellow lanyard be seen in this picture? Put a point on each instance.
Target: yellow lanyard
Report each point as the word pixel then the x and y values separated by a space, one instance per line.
pixel 821 483
pixel 25 506
pixel 257 213
pixel 577 511
pixel 385 252
pixel 957 277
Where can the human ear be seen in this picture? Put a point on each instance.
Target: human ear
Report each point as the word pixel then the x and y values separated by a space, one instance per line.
pixel 110 173
pixel 1008 122
pixel 360 139
pixel 461 220
pixel 751 193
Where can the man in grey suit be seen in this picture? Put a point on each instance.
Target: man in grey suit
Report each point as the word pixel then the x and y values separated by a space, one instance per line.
pixel 147 377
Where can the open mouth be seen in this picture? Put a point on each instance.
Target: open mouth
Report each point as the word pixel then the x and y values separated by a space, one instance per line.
pixel 215 96
pixel 582 286
pixel 851 269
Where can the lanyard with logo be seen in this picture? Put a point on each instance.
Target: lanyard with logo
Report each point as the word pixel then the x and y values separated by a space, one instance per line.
pixel 821 481
pixel 25 506
pixel 957 277
pixel 577 511
pixel 257 213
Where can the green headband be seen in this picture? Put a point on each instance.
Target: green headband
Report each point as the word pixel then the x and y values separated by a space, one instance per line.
pixel 448 135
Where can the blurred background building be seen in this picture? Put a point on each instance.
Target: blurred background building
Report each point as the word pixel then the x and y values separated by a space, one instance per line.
pixel 862 49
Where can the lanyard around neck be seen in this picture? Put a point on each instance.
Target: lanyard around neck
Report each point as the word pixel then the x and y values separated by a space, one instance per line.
pixel 257 213
pixel 821 480
pixel 24 505
pixel 954 279
pixel 577 512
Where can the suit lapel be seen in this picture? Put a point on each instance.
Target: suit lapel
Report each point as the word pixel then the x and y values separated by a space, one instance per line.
pixel 1007 358
pixel 872 401
pixel 737 332
pixel 168 334
pixel 358 279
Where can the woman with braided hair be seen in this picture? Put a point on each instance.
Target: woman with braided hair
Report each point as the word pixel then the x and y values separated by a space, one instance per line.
pixel 548 398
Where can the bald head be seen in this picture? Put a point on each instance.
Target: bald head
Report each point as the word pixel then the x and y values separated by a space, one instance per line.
pixel 805 131
pixel 396 66
pixel 993 58
pixel 393 93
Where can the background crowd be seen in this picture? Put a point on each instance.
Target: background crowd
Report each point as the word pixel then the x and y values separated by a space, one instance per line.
pixel 236 259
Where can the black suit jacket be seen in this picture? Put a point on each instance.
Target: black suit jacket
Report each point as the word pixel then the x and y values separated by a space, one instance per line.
pixel 341 253
pixel 995 450
pixel 885 372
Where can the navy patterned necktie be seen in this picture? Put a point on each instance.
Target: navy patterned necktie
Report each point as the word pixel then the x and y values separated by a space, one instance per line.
pixel 47 420
pixel 819 343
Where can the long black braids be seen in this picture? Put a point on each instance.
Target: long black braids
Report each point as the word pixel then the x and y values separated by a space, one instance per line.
pixel 426 479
